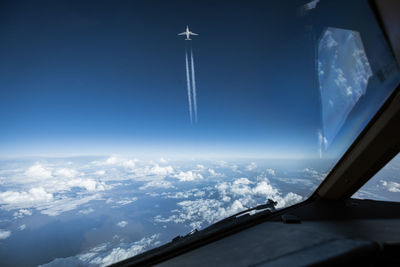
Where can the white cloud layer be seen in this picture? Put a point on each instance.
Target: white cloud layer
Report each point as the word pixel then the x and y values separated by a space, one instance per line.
pixel 12 199
pixel 234 197
pixel 104 254
pixel 391 186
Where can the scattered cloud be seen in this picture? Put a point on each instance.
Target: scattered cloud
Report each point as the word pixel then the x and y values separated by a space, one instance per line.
pixel 213 173
pixel 106 254
pixel 343 74
pixel 311 5
pixel 233 197
pixel 22 213
pixel 187 176
pixel 4 234
pixel 322 143
pixel 37 171
pixel 251 166
pixel 24 199
pixel 315 174
pixel 88 184
pixel 122 224
pixel 117 161
pixel 58 206
pixel 100 172
pixel 66 172
pixel 190 193
pixel 86 211
pixel 156 184
pixel 391 186
pixel 235 168
pixel 163 161
pixel 270 172
pixel 126 201
pixel 162 171
pixel 200 167
pixel 22 227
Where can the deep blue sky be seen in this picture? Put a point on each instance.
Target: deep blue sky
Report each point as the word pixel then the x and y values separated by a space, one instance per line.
pixel 109 77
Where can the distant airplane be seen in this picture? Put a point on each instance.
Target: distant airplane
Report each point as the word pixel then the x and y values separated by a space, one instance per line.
pixel 187 33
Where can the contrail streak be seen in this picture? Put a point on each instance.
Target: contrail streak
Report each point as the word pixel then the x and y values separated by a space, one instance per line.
pixel 188 88
pixel 193 87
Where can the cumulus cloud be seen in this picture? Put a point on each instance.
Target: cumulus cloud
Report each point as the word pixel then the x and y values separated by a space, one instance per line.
pixel 100 172
pixel 22 227
pixel 235 168
pixel 88 184
pixel 122 224
pixel 200 167
pixel 22 213
pixel 45 185
pixel 86 211
pixel 213 173
pixel 186 194
pixel 187 176
pixel 105 254
pixel 117 161
pixel 222 163
pixel 50 190
pixel 234 196
pixel 66 172
pixel 163 161
pixel 4 234
pixel 390 186
pixel 118 254
pixel 162 171
pixel 38 171
pixel 315 174
pixel 12 199
pixel 199 211
pixel 270 172
pixel 264 188
pixel 289 200
pixel 251 166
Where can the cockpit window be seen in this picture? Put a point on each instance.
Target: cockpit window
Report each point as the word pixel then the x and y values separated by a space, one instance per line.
pixel 385 185
pixel 127 123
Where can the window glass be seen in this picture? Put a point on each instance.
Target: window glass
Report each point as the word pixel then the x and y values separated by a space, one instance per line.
pixel 124 124
pixel 385 185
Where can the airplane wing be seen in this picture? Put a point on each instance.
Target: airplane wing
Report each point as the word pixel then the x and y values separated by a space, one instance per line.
pixel 183 33
pixel 192 33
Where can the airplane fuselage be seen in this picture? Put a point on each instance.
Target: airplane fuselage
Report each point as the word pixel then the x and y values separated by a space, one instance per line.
pixel 187 33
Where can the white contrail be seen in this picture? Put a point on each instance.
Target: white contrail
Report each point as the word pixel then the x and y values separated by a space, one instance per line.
pixel 194 87
pixel 188 87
